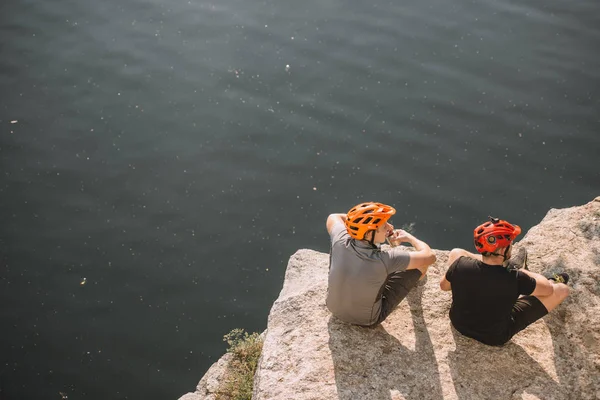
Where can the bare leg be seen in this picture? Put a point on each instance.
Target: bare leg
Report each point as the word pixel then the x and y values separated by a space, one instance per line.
pixel 561 291
pixel 423 269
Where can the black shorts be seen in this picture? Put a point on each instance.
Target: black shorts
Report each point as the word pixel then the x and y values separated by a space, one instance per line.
pixel 395 289
pixel 525 312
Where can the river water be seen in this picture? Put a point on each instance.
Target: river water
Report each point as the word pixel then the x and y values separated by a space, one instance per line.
pixel 160 161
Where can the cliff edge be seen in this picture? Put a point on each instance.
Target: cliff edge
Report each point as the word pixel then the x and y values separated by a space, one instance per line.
pixel 416 354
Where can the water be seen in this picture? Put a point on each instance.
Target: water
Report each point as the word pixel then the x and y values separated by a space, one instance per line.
pixel 175 154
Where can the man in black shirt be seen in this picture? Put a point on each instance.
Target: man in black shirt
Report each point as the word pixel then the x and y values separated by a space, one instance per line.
pixel 490 302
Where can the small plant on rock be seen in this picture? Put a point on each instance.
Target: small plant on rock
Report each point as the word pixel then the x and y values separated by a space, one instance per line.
pixel 239 378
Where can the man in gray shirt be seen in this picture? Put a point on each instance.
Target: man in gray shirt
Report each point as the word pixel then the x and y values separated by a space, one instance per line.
pixel 366 283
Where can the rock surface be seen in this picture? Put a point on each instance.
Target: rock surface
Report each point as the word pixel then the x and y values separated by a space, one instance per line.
pixel 209 384
pixel 416 354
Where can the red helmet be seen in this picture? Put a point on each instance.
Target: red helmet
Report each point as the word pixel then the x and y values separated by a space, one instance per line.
pixel 365 217
pixel 493 234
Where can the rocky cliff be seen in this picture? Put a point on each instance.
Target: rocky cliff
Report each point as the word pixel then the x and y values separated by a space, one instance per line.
pixel 416 354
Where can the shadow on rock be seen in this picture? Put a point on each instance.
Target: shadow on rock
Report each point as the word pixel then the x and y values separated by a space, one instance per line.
pixel 575 364
pixel 505 372
pixel 369 363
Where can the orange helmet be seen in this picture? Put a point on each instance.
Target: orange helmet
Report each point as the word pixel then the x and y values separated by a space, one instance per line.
pixel 365 217
pixel 493 234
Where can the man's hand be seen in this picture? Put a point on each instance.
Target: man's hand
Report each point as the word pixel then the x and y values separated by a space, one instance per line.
pixel 401 236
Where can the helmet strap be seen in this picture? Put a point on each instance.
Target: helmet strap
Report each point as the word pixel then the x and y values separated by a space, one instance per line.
pixel 505 255
pixel 372 240
pixel 506 252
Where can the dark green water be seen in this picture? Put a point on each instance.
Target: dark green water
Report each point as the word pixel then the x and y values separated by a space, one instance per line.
pixel 165 152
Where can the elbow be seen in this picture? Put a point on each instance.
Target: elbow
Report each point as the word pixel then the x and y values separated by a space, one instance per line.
pixel 444 285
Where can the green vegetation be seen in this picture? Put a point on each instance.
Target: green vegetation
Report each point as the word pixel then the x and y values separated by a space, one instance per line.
pixel 239 377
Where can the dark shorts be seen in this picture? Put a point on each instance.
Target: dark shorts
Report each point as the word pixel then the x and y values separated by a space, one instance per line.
pixel 525 312
pixel 395 289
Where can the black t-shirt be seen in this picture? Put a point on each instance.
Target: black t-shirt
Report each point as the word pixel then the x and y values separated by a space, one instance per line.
pixel 482 298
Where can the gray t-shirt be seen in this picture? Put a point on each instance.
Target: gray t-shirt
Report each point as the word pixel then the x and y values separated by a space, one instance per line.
pixel 357 273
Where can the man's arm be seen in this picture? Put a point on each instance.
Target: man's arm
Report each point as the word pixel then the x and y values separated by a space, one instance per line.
pixel 543 287
pixel 332 219
pixel 420 259
pixel 454 255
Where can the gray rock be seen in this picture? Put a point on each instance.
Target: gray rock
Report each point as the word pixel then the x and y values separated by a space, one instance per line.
pixel 209 384
pixel 416 354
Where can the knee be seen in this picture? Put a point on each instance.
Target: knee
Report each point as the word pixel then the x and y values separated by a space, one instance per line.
pixel 423 269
